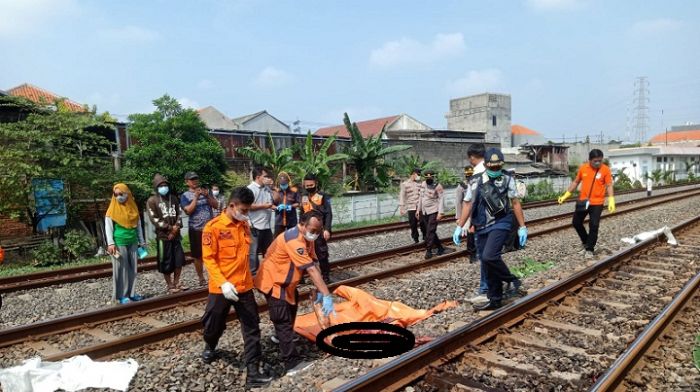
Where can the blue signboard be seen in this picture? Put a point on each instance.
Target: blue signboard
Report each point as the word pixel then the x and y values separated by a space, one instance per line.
pixel 49 203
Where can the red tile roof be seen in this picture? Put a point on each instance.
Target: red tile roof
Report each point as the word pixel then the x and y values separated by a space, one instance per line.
pixel 42 97
pixel 677 136
pixel 521 130
pixel 367 128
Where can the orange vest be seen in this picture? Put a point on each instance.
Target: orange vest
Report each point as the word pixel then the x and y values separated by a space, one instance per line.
pixel 309 204
pixel 283 264
pixel 596 186
pixel 225 247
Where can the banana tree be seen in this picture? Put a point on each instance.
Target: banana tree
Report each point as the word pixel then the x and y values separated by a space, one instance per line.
pixel 404 165
pixel 316 160
pixel 368 157
pixel 270 157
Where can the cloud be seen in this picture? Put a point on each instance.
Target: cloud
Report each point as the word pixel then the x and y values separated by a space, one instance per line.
pixel 476 82
pixel 408 51
pixel 133 35
pixel 205 84
pixel 22 17
pixel 273 77
pixel 356 113
pixel 656 26
pixel 554 5
pixel 188 103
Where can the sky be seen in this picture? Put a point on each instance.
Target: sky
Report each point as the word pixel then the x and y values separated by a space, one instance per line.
pixel 569 65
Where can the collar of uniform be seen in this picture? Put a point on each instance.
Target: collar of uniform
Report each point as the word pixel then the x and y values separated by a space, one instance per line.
pixel 256 184
pixel 480 167
pixel 230 222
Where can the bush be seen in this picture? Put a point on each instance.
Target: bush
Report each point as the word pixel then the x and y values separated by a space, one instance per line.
pixel 543 190
pixel 47 254
pixel 77 244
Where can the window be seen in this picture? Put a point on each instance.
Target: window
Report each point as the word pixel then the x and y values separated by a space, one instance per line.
pixel 493 120
pixel 665 159
pixel 658 159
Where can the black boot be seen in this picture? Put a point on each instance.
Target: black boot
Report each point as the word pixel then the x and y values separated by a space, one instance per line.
pixel 428 254
pixel 491 305
pixel 209 354
pixel 441 251
pixel 257 378
pixel 326 278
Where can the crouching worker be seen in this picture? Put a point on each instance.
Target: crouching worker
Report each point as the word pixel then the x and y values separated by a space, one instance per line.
pixel 491 202
pixel 291 253
pixel 225 243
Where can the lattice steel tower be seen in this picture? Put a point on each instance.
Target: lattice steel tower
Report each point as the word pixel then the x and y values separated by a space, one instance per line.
pixel 640 120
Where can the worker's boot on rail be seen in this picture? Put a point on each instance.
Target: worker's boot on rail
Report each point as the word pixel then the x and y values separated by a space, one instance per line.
pixel 209 353
pixel 491 305
pixel 257 376
pixel 428 254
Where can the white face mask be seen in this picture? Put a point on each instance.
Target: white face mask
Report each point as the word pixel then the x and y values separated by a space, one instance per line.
pixel 240 217
pixel 310 237
pixel 215 193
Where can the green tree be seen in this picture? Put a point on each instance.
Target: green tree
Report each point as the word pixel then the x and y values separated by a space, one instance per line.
pixel 316 160
pixel 404 165
pixel 270 157
pixel 657 175
pixel 171 141
pixel 59 145
pixel 369 158
pixel 623 181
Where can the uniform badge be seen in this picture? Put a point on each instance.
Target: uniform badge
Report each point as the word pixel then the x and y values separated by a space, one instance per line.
pixel 225 235
pixel 300 251
pixel 206 239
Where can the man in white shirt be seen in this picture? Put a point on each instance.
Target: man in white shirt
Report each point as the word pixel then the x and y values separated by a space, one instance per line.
pixel 475 153
pixel 650 184
pixel 260 216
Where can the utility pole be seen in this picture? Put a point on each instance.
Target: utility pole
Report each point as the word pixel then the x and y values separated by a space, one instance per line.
pixel 641 108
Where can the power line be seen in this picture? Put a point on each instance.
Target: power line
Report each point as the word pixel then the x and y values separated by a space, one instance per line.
pixel 641 109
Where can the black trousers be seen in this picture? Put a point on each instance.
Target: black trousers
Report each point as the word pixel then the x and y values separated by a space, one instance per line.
pixel 214 321
pixel 415 223
pixel 169 255
pixel 497 271
pixel 588 239
pixel 321 249
pixel 431 237
pixel 283 314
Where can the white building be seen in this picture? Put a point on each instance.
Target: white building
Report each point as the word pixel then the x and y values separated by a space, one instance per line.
pixel 637 162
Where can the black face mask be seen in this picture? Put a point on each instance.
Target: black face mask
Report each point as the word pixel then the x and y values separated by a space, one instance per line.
pixel 311 190
pixel 429 181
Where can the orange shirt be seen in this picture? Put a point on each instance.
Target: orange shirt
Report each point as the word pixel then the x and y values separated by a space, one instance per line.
pixel 602 179
pixel 225 246
pixel 280 271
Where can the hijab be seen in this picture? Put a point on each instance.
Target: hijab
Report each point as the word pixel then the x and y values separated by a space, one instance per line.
pixel 127 214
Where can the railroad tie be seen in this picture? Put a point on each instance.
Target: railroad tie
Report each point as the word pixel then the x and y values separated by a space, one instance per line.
pixel 100 334
pixel 155 323
pixel 43 348
pixel 548 324
pixel 499 366
pixel 193 311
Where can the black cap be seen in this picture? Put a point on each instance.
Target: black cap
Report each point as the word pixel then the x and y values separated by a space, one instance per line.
pixel 191 175
pixel 416 170
pixel 430 172
pixel 494 156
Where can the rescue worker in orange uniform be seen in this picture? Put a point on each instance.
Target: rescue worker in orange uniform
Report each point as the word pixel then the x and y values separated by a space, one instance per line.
pixel 291 253
pixel 225 245
pixel 317 201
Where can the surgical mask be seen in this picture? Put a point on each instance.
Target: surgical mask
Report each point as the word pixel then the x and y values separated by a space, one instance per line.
pixel 163 190
pixel 122 198
pixel 494 173
pixel 240 217
pixel 596 165
pixel 429 180
pixel 417 178
pixel 310 237
pixel 311 190
pixel 215 193
pixel 284 186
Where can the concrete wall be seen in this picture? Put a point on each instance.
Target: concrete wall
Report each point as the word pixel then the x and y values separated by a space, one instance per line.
pixel 453 155
pixel 477 112
pixel 578 152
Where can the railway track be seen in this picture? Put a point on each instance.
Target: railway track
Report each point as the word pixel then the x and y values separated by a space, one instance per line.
pixel 563 337
pixel 104 270
pixel 98 333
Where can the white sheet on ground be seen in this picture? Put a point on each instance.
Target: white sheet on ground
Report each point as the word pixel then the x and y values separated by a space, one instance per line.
pixel 651 234
pixel 71 374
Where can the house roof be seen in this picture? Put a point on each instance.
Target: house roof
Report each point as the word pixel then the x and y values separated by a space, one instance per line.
pixel 248 117
pixel 521 130
pixel 43 97
pixel 654 151
pixel 677 136
pixel 215 119
pixel 367 128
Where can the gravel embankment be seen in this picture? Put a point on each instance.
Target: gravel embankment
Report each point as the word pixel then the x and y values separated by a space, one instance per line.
pixel 174 365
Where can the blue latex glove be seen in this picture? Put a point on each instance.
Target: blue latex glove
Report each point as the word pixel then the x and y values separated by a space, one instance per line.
pixel 289 208
pixel 456 237
pixel 281 207
pixel 522 236
pixel 328 305
pixel 319 298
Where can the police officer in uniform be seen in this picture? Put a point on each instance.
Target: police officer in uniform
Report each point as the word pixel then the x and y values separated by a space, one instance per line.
pixel 317 201
pixel 408 203
pixel 225 246
pixel 430 206
pixel 491 202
